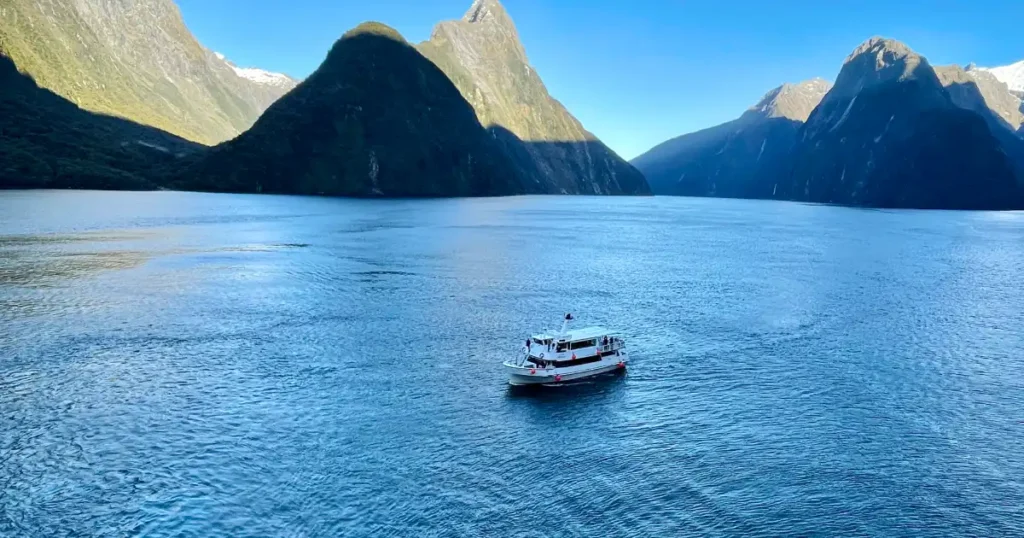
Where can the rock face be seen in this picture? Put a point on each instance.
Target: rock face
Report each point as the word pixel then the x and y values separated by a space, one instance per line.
pixel 744 158
pixel 888 135
pixel 483 56
pixel 979 90
pixel 48 142
pixel 136 60
pixel 376 119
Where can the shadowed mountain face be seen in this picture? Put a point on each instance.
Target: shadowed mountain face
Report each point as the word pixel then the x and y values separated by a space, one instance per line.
pixel 889 135
pixel 48 142
pixel 376 119
pixel 483 56
pixel 744 158
pixel 981 92
pixel 134 59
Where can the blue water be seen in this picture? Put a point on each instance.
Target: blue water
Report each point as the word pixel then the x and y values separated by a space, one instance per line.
pixel 213 365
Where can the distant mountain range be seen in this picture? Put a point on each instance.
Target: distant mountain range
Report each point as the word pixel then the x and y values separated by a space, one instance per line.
pixel 376 118
pixel 383 118
pixel 397 126
pixel 891 132
pixel 119 94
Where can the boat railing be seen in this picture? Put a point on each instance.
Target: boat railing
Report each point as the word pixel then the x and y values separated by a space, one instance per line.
pixel 614 345
pixel 520 356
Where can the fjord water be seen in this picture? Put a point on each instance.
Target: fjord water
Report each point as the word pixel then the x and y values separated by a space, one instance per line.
pixel 177 364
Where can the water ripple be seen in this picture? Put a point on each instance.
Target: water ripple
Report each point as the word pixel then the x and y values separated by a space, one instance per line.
pixel 201 365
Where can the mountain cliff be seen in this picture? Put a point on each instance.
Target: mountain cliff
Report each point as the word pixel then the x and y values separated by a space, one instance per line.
pixel 375 119
pixel 744 158
pixel 981 92
pixel 889 135
pixel 483 56
pixel 135 60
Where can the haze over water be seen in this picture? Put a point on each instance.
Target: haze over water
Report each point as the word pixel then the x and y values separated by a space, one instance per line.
pixel 177 364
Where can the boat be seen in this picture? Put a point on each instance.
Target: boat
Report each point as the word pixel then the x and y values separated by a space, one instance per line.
pixel 564 356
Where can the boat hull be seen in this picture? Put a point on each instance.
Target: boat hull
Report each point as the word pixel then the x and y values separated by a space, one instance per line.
pixel 519 376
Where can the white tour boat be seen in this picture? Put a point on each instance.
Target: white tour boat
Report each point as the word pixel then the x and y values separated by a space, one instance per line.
pixel 567 355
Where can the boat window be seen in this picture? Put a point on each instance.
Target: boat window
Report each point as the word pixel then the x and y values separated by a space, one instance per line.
pixel 583 344
pixel 578 362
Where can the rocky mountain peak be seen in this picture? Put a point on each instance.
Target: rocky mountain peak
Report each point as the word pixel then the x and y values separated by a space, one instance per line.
pixel 880 61
pixel 792 101
pixel 486 27
pixel 885 50
pixel 487 11
pixel 482 54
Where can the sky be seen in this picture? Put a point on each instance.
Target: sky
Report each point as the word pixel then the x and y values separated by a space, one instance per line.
pixel 637 72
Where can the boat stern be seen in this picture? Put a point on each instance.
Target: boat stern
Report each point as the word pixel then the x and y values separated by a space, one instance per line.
pixel 529 375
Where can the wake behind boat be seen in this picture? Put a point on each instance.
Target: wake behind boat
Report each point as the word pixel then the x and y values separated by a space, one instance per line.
pixel 555 357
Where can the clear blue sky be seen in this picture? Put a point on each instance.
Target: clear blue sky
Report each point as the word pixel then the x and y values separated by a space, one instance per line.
pixel 637 72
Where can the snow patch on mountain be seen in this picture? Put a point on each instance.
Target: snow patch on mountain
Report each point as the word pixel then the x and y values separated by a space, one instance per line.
pixel 263 77
pixel 1012 75
pixel 258 76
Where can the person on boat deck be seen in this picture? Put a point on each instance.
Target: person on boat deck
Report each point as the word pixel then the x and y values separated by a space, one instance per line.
pixel 604 342
pixel 527 344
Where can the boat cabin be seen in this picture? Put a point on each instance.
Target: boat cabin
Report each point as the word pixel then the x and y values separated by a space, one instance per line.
pixel 574 348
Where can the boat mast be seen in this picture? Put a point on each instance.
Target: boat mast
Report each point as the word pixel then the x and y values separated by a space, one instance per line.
pixel 565 325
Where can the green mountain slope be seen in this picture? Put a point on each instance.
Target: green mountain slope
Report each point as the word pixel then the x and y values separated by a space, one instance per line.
pixel 375 119
pixel 48 142
pixel 133 59
pixel 483 56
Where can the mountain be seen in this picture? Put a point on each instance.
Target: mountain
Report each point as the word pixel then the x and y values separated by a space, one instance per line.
pixel 375 119
pixel 136 60
pixel 981 91
pixel 1012 75
pixel 483 56
pixel 889 135
pixel 744 158
pixel 49 142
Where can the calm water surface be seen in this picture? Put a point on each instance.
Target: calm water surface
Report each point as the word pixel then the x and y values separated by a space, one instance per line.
pixel 198 365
